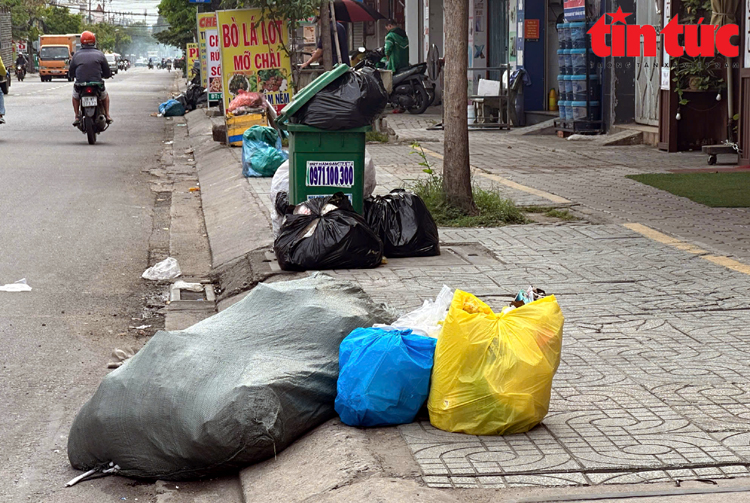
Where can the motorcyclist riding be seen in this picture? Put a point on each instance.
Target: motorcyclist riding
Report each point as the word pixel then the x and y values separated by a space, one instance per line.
pixel 21 60
pixel 89 65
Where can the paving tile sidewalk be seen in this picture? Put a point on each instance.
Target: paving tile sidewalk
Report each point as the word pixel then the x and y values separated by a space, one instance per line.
pixel 594 177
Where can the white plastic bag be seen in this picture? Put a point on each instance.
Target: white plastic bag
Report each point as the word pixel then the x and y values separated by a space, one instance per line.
pixel 18 286
pixel 426 320
pixel 164 270
pixel 371 179
pixel 279 183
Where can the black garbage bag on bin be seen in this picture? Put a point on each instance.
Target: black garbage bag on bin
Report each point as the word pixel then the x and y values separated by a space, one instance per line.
pixel 326 233
pixel 353 100
pixel 234 389
pixel 404 224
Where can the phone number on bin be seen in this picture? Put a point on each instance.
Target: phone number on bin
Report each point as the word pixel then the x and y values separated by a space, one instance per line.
pixel 330 173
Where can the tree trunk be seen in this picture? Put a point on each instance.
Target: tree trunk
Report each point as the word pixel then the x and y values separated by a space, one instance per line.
pixel 456 169
pixel 325 35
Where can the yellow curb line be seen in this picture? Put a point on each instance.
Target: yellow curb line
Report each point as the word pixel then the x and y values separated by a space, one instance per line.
pixel 506 182
pixel 721 260
pixel 663 238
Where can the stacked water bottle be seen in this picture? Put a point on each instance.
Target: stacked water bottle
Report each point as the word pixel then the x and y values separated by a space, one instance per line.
pixel 574 90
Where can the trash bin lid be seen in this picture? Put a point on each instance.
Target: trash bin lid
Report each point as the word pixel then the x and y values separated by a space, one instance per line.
pixel 311 90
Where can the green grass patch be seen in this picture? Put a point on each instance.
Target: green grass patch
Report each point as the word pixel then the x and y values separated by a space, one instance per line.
pixel 722 190
pixel 560 214
pixel 550 211
pixel 494 209
pixel 375 136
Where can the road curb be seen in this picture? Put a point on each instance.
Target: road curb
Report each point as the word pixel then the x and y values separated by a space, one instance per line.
pixel 236 220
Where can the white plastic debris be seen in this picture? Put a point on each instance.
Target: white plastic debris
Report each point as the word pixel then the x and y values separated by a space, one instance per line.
pixel 18 286
pixel 581 137
pixel 119 356
pixel 191 287
pixel 164 270
pixel 426 320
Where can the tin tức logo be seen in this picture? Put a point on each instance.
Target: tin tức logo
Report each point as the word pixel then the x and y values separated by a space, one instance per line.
pixel 625 39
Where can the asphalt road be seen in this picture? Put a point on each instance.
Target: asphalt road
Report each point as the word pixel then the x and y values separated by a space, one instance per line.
pixel 75 221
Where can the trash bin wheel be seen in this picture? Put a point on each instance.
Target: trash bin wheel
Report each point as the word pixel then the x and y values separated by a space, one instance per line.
pixel 711 160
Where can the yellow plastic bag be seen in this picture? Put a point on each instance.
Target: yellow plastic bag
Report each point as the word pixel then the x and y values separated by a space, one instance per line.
pixel 493 373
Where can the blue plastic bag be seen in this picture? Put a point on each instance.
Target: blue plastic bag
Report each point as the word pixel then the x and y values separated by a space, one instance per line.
pixel 171 108
pixel 384 376
pixel 261 151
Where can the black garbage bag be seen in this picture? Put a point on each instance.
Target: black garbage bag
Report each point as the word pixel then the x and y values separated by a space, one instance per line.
pixel 282 204
pixel 404 224
pixel 194 95
pixel 326 233
pixel 235 389
pixel 353 100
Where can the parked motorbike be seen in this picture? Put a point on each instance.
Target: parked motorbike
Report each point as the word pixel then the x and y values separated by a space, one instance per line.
pixel 409 90
pixel 20 73
pixel 93 121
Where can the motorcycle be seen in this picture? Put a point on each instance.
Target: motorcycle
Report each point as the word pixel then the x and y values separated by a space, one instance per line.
pixel 169 67
pixel 20 73
pixel 409 90
pixel 92 118
pixel 150 65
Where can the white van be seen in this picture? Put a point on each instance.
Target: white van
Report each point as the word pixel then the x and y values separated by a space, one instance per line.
pixel 112 61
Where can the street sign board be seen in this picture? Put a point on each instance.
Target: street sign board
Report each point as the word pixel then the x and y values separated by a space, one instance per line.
pixel 253 58
pixel 191 53
pixel 199 1
pixel 214 65
pixel 206 21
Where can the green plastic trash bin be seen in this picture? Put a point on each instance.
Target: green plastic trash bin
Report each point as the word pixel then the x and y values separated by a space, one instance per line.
pixel 323 162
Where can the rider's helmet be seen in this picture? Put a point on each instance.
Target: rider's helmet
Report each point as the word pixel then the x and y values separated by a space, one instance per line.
pixel 88 38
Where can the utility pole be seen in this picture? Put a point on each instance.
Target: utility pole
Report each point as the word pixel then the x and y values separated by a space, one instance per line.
pixel 456 168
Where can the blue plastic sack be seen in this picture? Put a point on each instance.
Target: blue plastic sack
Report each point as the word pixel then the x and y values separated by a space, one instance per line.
pixel 261 151
pixel 384 376
pixel 171 108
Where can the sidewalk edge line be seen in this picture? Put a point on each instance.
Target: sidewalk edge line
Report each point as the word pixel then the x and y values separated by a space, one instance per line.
pixel 508 183
pixel 721 260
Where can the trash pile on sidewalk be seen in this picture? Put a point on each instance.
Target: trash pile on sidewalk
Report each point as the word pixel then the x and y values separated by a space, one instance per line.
pixel 486 374
pixel 241 386
pixel 326 233
pixel 193 98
